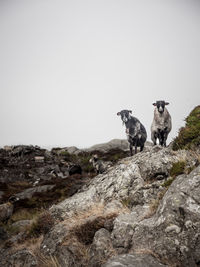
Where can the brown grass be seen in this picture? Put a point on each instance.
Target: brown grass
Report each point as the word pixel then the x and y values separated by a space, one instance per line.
pixel 47 261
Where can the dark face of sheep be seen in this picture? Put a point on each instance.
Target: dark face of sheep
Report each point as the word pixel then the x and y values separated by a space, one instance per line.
pixel 125 115
pixel 94 158
pixel 160 105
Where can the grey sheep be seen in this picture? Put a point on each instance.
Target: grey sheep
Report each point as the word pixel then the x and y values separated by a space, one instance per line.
pixel 135 131
pixel 161 125
pixel 99 165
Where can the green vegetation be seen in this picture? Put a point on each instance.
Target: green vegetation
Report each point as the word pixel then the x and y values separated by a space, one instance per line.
pixel 189 136
pixel 177 168
pixel 168 182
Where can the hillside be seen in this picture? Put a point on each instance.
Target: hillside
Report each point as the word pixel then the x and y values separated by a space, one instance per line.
pixel 143 211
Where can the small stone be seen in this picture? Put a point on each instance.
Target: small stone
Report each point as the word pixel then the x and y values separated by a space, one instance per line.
pixel 173 228
pixel 39 159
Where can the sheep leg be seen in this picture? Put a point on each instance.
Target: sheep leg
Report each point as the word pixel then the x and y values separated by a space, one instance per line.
pixel 153 138
pixel 131 149
pixel 136 148
pixel 136 144
pixel 141 148
pixel 165 138
pixel 160 137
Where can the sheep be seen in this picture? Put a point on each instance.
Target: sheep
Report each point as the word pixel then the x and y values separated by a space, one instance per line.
pixel 135 131
pixel 98 164
pixel 161 125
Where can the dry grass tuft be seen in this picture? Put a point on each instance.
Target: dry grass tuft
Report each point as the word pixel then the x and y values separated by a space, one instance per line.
pixel 96 210
pixel 47 261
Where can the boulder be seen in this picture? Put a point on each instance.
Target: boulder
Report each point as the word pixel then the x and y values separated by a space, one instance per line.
pixel 53 238
pixel 121 144
pixel 101 248
pixel 6 211
pixel 124 226
pixel 21 225
pixel 21 258
pixel 127 180
pixel 174 231
pixel 39 159
pixel 28 193
pixel 134 260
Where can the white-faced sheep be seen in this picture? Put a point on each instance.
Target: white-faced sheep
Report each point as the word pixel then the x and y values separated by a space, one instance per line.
pixel 99 165
pixel 161 125
pixel 135 131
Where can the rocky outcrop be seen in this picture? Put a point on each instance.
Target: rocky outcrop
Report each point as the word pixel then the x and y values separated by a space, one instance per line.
pixel 174 231
pixel 121 144
pixel 137 213
pixel 127 180
pixel 160 221
pixel 20 258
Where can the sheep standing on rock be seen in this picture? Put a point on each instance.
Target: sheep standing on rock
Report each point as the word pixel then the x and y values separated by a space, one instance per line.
pixel 161 125
pixel 99 165
pixel 135 131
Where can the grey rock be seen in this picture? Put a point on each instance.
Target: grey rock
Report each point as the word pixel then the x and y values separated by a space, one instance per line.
pixel 121 144
pixel 21 258
pixel 101 248
pixel 116 183
pixel 113 144
pixel 124 226
pixel 70 255
pixel 125 180
pixel 28 193
pixel 174 231
pixel 39 159
pixel 21 225
pixel 53 239
pixel 156 162
pixel 3 234
pixel 6 211
pixel 133 260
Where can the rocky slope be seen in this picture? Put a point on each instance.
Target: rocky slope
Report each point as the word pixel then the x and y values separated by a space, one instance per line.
pixel 143 211
pixel 140 212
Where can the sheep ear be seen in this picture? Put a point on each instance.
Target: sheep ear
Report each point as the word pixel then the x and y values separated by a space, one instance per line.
pixel 118 113
pixel 130 111
pixel 154 104
pixel 166 103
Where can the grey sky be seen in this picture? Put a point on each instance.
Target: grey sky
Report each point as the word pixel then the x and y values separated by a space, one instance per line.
pixel 67 67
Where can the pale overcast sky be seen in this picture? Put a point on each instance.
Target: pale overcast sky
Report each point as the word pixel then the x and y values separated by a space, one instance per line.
pixel 67 67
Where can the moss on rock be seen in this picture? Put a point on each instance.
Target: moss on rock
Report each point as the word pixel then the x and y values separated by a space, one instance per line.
pixel 177 168
pixel 189 136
